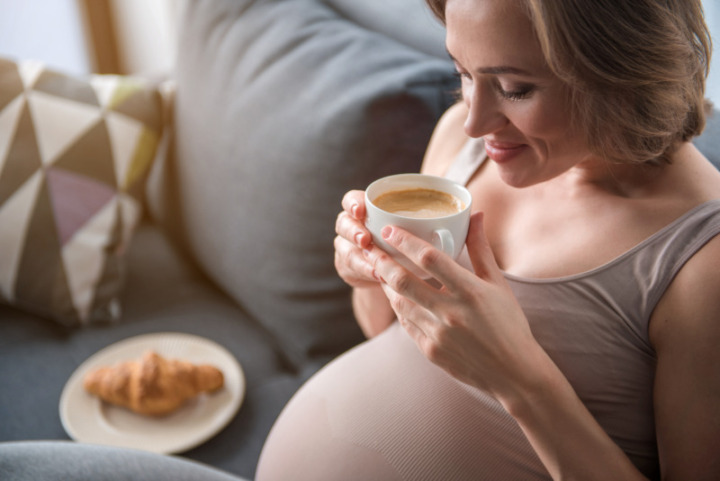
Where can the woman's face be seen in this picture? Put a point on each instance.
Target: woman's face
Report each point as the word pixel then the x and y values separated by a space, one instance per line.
pixel 519 107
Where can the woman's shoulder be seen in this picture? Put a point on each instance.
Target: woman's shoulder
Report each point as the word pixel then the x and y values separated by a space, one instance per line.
pixel 692 178
pixel 447 140
pixel 696 182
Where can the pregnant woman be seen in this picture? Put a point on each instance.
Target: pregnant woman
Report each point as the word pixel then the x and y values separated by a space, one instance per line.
pixel 577 337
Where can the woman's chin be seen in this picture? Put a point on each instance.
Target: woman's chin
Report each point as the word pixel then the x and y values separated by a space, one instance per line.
pixel 517 178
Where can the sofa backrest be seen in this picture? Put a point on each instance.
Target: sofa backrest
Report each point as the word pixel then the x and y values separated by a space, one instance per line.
pixel 709 141
pixel 281 107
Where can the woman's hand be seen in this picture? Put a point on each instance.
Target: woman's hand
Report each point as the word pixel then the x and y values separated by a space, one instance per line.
pixel 353 247
pixel 351 240
pixel 472 326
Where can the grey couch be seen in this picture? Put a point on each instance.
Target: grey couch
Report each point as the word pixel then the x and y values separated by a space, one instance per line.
pixel 281 106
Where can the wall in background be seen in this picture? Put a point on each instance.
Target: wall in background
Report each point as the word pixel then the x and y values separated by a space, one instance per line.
pixel 712 17
pixel 146 32
pixel 46 30
pixel 52 31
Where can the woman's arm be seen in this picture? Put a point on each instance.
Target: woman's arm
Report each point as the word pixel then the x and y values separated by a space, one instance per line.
pixel 474 328
pixel 685 330
pixel 372 310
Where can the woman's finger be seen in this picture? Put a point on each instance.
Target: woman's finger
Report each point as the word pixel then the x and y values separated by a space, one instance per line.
pixel 418 322
pixel 353 203
pixel 401 280
pixel 351 265
pixel 409 315
pixel 351 229
pixel 428 258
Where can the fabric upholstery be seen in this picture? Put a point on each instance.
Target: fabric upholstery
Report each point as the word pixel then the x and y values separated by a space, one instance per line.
pixel 61 461
pixel 420 30
pixel 164 292
pixel 74 155
pixel 709 141
pixel 282 107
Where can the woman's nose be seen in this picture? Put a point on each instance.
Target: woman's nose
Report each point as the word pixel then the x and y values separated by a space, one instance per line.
pixel 484 116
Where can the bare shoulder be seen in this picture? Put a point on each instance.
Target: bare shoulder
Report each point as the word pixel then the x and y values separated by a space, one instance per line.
pixel 446 141
pixel 685 330
pixel 695 178
pixel 691 304
pixel 690 308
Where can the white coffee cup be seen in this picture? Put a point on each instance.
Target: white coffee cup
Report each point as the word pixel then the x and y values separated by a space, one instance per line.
pixel 446 232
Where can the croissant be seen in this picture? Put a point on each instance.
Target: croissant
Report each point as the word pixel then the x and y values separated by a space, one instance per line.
pixel 153 385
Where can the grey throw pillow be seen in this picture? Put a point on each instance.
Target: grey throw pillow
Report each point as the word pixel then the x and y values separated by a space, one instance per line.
pixel 282 107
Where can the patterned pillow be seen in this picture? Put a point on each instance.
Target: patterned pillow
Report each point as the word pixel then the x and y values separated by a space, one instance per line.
pixel 74 158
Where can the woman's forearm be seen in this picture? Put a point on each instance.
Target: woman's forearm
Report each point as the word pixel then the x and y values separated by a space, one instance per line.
pixel 372 310
pixel 566 437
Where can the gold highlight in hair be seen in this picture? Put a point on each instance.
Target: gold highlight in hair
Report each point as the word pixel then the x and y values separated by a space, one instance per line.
pixel 635 70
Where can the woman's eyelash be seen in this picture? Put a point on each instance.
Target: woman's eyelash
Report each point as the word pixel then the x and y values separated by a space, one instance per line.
pixel 518 94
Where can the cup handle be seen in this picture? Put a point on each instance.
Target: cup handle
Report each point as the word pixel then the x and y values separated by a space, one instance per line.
pixel 443 240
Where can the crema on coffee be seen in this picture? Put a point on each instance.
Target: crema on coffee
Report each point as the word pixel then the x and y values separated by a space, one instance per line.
pixel 419 203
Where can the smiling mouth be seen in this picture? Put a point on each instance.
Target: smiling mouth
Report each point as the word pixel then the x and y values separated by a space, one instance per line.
pixel 503 151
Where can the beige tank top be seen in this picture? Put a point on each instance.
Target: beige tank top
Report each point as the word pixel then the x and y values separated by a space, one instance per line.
pixel 384 412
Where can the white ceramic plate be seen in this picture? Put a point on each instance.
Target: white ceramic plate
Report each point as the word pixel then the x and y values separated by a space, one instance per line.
pixel 88 419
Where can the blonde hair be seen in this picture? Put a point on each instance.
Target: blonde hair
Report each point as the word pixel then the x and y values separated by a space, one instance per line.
pixel 635 70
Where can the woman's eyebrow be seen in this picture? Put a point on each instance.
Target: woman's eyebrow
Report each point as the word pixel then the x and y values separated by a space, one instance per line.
pixel 498 70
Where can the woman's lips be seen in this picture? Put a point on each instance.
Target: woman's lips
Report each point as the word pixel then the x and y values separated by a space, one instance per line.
pixel 503 151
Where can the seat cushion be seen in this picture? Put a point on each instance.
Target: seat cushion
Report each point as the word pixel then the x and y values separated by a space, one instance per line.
pixel 164 293
pixel 59 461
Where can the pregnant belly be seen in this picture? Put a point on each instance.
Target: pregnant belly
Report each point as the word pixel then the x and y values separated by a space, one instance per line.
pixel 383 412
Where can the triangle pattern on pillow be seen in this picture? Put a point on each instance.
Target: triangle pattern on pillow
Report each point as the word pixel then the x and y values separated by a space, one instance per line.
pixel 9 119
pixel 29 72
pixel 68 160
pixel 124 134
pixel 22 157
pixel 129 213
pixel 63 86
pixel 16 212
pixel 105 86
pixel 91 155
pixel 84 266
pixel 41 278
pixel 75 200
pixel 60 122
pixel 11 84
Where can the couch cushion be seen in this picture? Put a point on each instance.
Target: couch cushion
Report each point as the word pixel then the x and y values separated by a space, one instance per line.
pixel 282 107
pixel 60 461
pixel 163 293
pixel 74 154
pixel 709 141
pixel 421 30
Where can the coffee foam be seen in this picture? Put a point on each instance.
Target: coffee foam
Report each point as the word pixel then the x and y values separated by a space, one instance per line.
pixel 419 203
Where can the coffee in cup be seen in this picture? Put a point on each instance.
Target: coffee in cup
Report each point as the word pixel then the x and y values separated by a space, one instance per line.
pixel 419 202
pixel 433 208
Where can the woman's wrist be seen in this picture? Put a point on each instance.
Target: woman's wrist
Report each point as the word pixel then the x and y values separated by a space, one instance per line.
pixel 539 382
pixel 372 310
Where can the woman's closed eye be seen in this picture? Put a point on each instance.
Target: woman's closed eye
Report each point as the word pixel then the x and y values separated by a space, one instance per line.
pixel 519 92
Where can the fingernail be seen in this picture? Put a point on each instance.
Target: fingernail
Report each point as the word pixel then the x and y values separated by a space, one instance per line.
pixel 366 253
pixel 376 276
pixel 359 239
pixel 386 232
pixel 354 209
